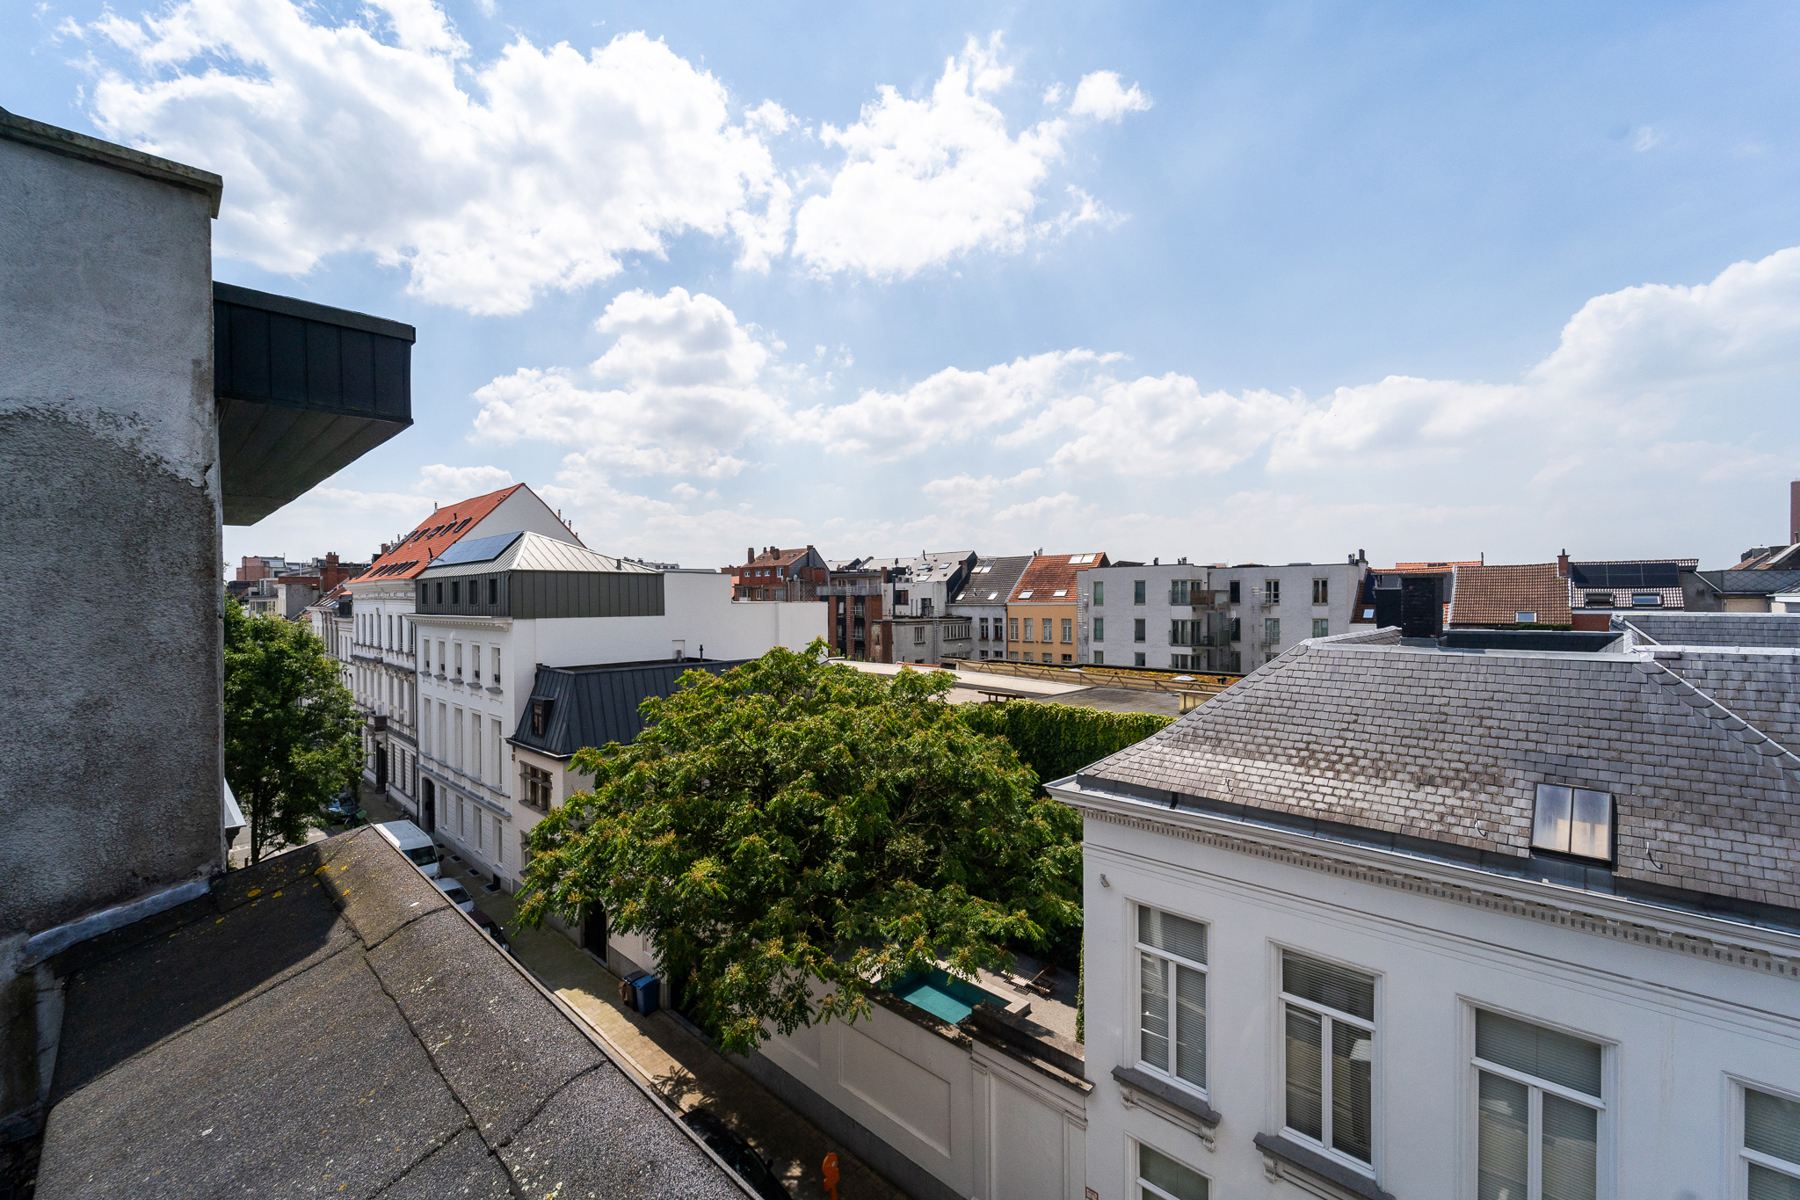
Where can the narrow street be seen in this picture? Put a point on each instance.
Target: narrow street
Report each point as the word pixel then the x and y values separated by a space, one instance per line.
pixel 682 1067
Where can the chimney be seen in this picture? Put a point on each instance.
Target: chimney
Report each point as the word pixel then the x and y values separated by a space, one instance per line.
pixel 1562 564
pixel 749 554
pixel 1794 512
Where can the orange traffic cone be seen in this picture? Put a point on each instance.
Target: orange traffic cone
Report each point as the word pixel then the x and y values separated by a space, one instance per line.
pixel 831 1176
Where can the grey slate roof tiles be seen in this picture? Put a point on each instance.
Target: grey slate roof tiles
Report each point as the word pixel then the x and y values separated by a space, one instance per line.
pixel 1450 746
pixel 1768 630
pixel 591 706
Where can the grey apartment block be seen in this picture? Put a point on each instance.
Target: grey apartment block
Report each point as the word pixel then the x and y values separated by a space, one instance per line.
pixel 1158 616
pixel 1269 609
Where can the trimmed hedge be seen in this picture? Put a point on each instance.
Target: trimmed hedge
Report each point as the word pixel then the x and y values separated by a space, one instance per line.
pixel 1059 739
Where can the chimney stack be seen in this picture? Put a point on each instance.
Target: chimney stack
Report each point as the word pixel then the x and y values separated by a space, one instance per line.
pixel 1794 512
pixel 1562 564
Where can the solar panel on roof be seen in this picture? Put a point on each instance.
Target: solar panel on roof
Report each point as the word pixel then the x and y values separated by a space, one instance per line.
pixel 476 550
pixel 1625 576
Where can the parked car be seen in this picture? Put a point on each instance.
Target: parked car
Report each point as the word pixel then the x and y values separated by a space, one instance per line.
pixel 456 894
pixel 413 842
pixel 492 928
pixel 737 1154
pixel 342 809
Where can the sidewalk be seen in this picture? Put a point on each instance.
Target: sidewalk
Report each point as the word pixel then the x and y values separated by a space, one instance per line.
pixel 688 1072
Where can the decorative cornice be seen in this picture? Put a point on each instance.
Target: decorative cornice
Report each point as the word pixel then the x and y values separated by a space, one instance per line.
pixel 1280 848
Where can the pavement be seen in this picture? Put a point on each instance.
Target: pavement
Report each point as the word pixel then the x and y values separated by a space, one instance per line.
pixel 681 1066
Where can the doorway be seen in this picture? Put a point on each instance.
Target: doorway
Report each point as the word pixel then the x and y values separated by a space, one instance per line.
pixel 428 809
pixel 593 933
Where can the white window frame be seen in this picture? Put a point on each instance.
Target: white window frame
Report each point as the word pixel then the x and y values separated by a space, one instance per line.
pixel 1135 1184
pixel 1371 1169
pixel 1741 1155
pixel 1605 1150
pixel 1137 1004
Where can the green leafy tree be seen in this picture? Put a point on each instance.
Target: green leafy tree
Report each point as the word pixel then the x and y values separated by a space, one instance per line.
pixel 292 733
pixel 794 825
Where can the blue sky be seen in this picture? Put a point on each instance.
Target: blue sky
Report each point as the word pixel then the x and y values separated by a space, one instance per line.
pixel 1233 282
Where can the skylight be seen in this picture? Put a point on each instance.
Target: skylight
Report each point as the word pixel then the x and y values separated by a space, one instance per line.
pixel 1025 595
pixel 1572 820
pixel 1060 592
pixel 1077 559
pixel 993 595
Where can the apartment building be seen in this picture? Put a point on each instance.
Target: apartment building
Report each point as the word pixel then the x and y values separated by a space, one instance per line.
pixel 921 627
pixel 982 599
pixel 490 611
pixel 1042 608
pixel 779 575
pixel 857 594
pixel 1396 921
pixel 1268 609
pixel 381 652
pixel 1151 615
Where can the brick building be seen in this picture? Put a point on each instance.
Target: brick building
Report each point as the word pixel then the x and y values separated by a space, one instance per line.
pixel 777 574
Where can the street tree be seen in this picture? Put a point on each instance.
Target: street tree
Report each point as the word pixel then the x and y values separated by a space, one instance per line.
pixel 793 835
pixel 292 735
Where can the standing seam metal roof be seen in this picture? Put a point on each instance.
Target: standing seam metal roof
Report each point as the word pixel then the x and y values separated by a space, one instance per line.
pixel 535 552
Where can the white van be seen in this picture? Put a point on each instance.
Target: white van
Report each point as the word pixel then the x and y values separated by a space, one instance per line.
pixel 413 842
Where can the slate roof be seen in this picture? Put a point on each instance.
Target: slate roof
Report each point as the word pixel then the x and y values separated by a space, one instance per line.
pixel 326 1023
pixel 992 580
pixel 434 535
pixel 1767 630
pixel 591 706
pixel 1049 573
pixel 1496 595
pixel 1448 746
pixel 535 552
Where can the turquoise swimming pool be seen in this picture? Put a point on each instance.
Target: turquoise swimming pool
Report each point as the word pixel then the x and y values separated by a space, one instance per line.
pixel 943 995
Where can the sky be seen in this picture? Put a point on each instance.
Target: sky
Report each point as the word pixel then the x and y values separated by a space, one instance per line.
pixel 1234 282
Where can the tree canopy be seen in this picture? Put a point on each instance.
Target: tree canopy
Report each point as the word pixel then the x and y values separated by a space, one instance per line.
pixel 292 733
pixel 794 821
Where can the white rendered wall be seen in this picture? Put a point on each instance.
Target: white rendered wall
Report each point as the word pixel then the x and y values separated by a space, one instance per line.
pixel 981 1123
pixel 1679 1029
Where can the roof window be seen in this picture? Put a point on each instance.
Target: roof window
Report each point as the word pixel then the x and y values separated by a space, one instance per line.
pixel 1025 595
pixel 1059 592
pixel 1524 618
pixel 1599 599
pixel 1573 820
pixel 1077 559
pixel 993 595
pixel 1646 600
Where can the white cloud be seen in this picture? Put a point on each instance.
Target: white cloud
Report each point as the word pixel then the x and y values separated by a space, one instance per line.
pixel 488 182
pixel 686 391
pixel 1100 95
pixel 930 179
pixel 951 405
pixel 770 116
pixel 447 484
pixel 1647 138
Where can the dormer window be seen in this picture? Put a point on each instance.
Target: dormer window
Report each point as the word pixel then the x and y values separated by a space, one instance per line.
pixel 540 716
pixel 1573 820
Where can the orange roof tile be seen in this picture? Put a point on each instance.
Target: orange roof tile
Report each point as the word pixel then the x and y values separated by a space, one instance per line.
pixel 1496 595
pixel 1050 572
pixel 1419 567
pixel 434 535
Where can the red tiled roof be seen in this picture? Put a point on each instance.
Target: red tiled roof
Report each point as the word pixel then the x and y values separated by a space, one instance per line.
pixel 1050 572
pixel 781 558
pixel 434 535
pixel 1423 567
pixel 1496 595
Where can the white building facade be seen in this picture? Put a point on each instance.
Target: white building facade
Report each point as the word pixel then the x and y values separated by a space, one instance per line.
pixel 1392 922
pixel 380 654
pixel 489 614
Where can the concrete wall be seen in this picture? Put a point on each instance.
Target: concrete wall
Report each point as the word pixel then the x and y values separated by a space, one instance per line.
pixel 1120 612
pixel 110 715
pixel 1681 1031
